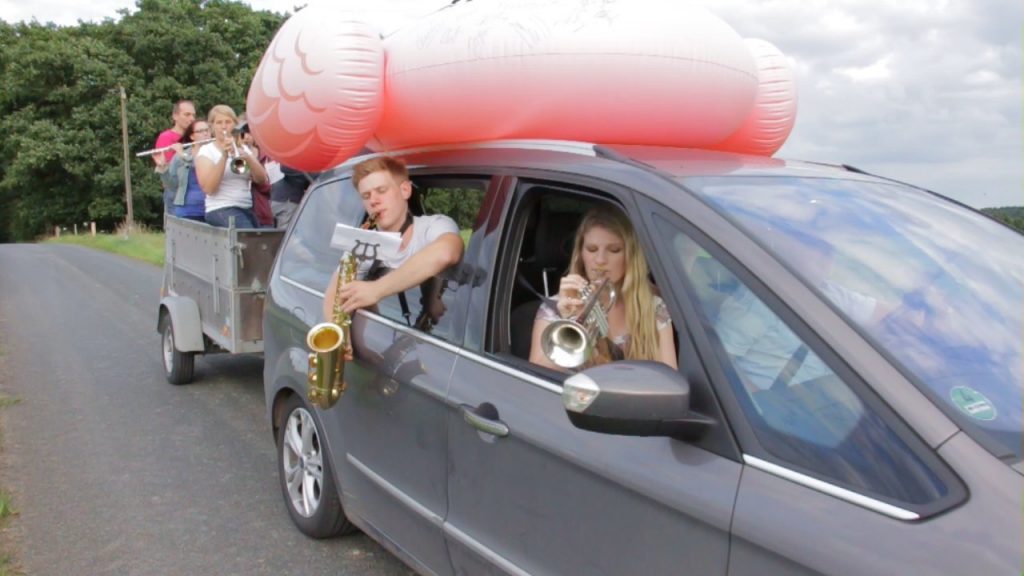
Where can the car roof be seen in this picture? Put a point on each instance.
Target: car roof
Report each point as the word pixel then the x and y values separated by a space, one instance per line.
pixel 596 159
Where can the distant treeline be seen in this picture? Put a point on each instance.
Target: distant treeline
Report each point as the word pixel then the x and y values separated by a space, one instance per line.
pixel 61 149
pixel 1012 216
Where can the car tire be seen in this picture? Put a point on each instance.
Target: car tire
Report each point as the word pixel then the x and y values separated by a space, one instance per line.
pixel 306 475
pixel 179 367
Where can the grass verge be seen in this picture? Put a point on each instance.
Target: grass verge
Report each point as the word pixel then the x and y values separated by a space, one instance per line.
pixel 145 246
pixel 6 509
pixel 8 543
pixel 8 563
pixel 8 567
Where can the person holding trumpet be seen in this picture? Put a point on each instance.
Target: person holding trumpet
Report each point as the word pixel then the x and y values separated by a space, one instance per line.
pixel 226 170
pixel 606 250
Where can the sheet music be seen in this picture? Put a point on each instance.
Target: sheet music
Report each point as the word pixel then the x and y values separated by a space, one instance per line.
pixel 366 244
pixel 273 169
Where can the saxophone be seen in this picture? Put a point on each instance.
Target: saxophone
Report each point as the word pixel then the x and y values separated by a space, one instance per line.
pixel 331 342
pixel 331 345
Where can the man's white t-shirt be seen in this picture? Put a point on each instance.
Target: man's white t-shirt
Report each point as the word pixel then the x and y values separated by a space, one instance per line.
pixel 425 229
pixel 234 189
pixel 859 307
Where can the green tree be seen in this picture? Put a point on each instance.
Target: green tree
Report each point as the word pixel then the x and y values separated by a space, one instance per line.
pixel 1012 216
pixel 61 158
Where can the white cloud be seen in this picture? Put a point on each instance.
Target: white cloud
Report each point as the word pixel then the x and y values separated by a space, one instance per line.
pixel 927 91
pixel 875 72
pixel 924 91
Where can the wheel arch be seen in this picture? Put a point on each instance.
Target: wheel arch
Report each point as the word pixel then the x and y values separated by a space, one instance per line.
pixel 277 414
pixel 183 313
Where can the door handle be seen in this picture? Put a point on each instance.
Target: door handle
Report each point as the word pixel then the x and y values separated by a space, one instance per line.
pixel 487 422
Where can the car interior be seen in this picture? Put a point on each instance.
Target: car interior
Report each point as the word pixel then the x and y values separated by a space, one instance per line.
pixel 547 231
pixel 544 257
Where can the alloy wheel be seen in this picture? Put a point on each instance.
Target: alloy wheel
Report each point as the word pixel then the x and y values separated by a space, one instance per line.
pixel 303 462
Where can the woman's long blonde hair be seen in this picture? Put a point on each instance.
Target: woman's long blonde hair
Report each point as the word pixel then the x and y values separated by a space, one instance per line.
pixel 635 290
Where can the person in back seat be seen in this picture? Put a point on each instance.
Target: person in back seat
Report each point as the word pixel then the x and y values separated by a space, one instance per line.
pixel 639 324
pixel 430 244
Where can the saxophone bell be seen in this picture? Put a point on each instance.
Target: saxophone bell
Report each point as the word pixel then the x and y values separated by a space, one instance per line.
pixel 326 363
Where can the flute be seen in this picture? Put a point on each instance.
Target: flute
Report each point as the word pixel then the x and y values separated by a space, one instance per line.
pixel 166 148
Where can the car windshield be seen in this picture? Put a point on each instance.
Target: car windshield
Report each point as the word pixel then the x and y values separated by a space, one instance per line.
pixel 937 286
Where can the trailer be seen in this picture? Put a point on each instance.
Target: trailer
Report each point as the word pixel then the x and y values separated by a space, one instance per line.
pixel 213 292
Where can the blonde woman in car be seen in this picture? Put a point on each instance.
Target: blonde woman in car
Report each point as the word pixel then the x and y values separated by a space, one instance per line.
pixel 639 325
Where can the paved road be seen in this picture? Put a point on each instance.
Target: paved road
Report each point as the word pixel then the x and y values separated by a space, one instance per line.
pixel 113 470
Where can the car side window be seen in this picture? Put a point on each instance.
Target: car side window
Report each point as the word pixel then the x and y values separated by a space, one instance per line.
pixel 426 307
pixel 307 256
pixel 802 412
pixel 542 232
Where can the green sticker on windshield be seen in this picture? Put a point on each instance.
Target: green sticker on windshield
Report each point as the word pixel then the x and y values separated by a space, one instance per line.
pixel 973 403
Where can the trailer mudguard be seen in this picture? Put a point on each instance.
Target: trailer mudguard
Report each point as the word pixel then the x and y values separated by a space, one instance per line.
pixel 183 313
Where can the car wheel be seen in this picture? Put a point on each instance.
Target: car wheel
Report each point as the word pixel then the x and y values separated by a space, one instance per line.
pixel 179 367
pixel 307 478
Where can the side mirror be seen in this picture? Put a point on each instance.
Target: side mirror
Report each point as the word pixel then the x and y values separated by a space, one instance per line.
pixel 633 398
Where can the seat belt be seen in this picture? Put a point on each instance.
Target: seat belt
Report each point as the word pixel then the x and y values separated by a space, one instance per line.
pixel 791 368
pixel 377 270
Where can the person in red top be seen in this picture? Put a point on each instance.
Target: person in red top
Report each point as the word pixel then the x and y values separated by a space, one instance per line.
pixel 183 114
pixel 261 191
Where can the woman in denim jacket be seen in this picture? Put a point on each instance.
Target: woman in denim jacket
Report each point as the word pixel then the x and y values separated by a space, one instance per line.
pixel 189 199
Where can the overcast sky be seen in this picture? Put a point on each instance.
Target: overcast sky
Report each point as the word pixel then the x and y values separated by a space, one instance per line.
pixel 925 91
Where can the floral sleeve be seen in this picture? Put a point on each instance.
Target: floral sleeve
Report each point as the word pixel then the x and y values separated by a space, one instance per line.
pixel 548 310
pixel 661 315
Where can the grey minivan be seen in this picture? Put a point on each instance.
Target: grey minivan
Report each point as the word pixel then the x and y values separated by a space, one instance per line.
pixel 890 444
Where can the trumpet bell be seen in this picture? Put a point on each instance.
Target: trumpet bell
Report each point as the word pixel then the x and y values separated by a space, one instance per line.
pixel 238 166
pixel 236 163
pixel 566 343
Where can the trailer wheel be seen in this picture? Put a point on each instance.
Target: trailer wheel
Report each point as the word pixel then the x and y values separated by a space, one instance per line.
pixel 178 366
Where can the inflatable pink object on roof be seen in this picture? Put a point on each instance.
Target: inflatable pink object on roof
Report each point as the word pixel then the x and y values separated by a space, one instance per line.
pixel 335 80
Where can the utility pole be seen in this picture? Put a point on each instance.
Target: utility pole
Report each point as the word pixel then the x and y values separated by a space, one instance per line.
pixel 130 222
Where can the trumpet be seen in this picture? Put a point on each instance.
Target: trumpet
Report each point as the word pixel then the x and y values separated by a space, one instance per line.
pixel 238 164
pixel 570 342
pixel 166 148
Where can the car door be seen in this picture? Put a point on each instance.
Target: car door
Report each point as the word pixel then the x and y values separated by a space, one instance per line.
pixel 394 429
pixel 833 482
pixel 385 437
pixel 531 494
